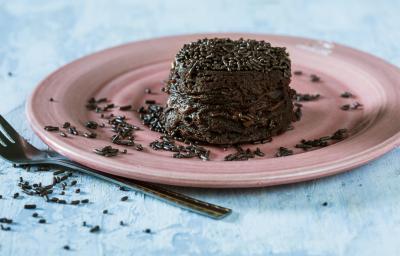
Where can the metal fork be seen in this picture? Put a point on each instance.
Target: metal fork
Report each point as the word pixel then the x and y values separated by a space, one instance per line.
pixel 14 148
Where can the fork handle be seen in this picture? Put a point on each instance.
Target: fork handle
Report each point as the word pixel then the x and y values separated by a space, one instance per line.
pixel 168 196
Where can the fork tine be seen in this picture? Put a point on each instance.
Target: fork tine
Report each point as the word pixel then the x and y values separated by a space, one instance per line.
pixel 4 139
pixel 8 128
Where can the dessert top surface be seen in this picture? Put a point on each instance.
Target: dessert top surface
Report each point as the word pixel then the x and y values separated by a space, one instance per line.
pixel 224 54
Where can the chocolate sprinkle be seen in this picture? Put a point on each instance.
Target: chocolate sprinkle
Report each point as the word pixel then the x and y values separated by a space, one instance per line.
pixel 315 78
pixel 6 221
pixel 306 97
pixel 50 128
pixel 4 228
pixel 125 108
pixel 95 229
pixel 30 206
pixel 106 151
pixel 91 125
pixel 243 155
pixel 167 143
pixel 347 95
pixel 323 141
pixel 282 151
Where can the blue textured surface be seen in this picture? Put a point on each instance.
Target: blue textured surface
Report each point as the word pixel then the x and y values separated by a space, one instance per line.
pixel 362 216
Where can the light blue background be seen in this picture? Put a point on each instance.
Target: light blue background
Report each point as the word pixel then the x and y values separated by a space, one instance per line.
pixel 363 213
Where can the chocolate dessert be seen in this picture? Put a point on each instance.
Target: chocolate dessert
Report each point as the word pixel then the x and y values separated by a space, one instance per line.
pixel 224 91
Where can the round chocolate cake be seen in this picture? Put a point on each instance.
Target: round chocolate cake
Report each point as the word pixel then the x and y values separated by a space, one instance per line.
pixel 224 91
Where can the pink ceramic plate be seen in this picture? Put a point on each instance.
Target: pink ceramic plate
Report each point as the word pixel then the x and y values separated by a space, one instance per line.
pixel 122 74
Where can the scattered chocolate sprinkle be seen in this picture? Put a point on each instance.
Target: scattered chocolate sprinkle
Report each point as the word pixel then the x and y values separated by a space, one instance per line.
pixel 4 228
pixel 106 151
pixel 30 206
pixel 124 198
pixel 63 134
pixel 111 105
pixel 6 221
pixel 147 90
pixel 266 140
pixel 347 95
pixel 306 97
pixel 315 78
pixel 35 215
pixel 340 134
pixel 243 155
pixel 125 108
pixel 298 72
pixel 298 113
pixel 16 195
pixel 192 150
pixel 51 99
pixel 90 135
pixel 95 229
pixel 150 102
pixel 151 117
pixel 345 107
pixel 105 211
pixel 75 202
pixel 147 231
pixel 85 201
pixel 258 152
pixel 139 147
pixel 325 204
pixel 51 128
pixel 66 247
pixel 282 151
pixel 323 141
pixel 91 125
pixel 42 221
pixel 72 130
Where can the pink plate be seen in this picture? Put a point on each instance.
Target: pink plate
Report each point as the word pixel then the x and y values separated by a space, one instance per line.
pixel 122 73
